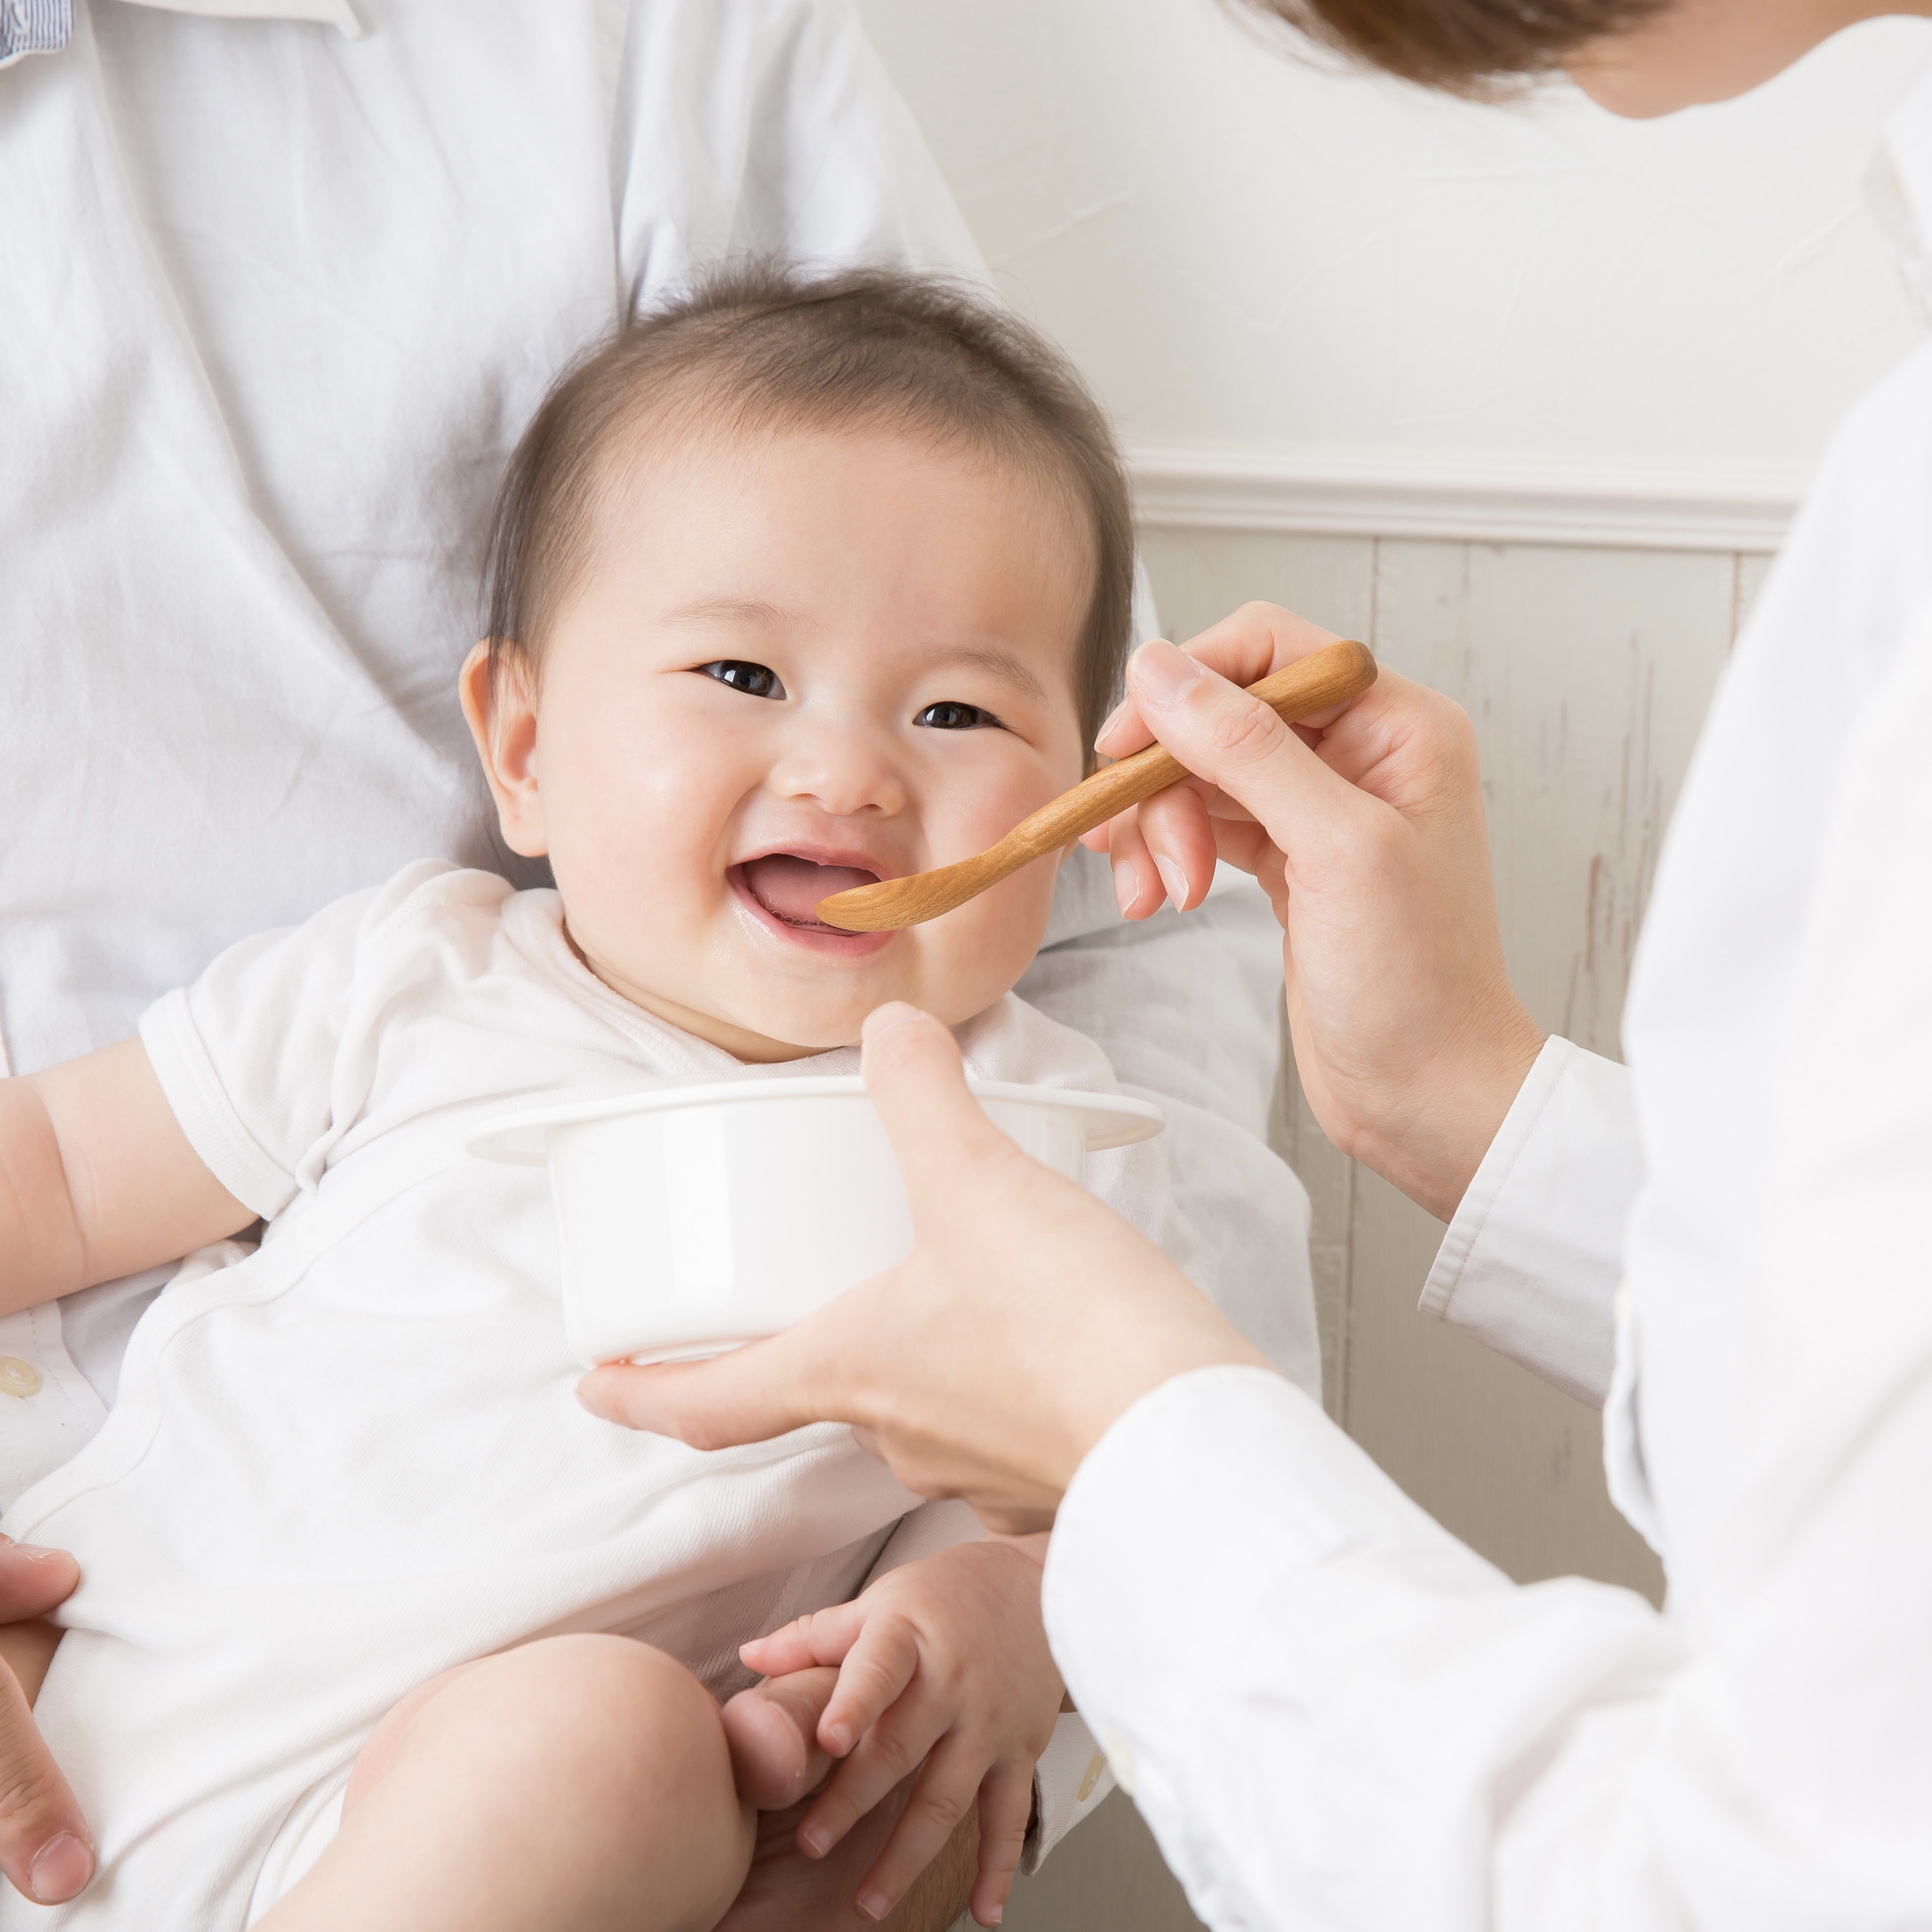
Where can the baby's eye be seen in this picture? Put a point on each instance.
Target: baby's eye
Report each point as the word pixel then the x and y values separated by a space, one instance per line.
pixel 755 679
pixel 948 716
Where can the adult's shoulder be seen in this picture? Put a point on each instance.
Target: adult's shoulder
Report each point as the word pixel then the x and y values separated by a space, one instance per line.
pixel 804 149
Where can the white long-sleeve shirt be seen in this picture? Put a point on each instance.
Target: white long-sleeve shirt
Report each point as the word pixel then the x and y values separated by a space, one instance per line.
pixel 1332 1713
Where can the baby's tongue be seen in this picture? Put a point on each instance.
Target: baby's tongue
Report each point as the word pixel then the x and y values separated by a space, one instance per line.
pixel 791 888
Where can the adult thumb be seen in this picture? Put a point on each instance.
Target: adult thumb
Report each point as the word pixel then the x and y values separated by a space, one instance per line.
pixel 1231 740
pixel 917 1081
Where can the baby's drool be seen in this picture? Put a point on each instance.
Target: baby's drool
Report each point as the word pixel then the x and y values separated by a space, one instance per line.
pixel 791 888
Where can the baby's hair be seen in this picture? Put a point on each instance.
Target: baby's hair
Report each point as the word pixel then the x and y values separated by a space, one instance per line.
pixel 1473 47
pixel 761 347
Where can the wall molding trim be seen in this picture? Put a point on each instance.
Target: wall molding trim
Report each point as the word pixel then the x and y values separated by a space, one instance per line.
pixel 1479 498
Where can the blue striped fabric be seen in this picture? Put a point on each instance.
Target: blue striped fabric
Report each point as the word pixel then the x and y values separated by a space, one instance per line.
pixel 34 27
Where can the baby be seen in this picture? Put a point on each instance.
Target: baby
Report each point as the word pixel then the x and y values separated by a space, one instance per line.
pixel 794 585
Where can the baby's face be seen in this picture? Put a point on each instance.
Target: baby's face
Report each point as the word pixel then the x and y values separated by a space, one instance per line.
pixel 798 665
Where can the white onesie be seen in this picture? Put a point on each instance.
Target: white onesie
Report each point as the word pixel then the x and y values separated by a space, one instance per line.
pixel 353 1458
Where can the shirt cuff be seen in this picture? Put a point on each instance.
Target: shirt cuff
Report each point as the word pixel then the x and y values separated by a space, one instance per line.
pixel 1531 1263
pixel 1070 1779
pixel 213 1128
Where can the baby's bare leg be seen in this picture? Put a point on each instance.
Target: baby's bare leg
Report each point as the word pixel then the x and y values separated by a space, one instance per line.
pixel 583 1781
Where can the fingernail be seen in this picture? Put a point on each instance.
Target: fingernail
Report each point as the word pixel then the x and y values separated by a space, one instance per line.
pixel 34 1552
pixel 994 1917
pixel 1162 673
pixel 873 1905
pixel 61 1870
pixel 1127 888
pixel 1112 718
pixel 815 1841
pixel 1174 880
pixel 836 1739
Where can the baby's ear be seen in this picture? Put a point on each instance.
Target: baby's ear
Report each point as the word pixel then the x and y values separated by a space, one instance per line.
pixel 499 698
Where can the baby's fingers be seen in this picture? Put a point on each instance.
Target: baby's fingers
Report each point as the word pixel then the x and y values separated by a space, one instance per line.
pixel 942 1796
pixel 819 1637
pixel 1006 1807
pixel 889 1753
pixel 876 1670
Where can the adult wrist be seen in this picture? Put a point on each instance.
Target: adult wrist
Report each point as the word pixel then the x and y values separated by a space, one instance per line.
pixel 1431 1154
pixel 1149 1350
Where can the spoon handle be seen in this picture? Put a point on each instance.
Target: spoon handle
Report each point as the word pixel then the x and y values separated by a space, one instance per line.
pixel 1333 675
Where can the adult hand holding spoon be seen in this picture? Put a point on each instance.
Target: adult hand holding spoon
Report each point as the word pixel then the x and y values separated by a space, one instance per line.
pixel 1366 828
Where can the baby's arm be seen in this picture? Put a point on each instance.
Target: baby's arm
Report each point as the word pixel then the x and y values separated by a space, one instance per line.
pixel 97 1179
pixel 944 1660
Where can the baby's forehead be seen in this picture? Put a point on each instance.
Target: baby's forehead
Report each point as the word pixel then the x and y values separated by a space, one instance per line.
pixel 663 440
pixel 716 500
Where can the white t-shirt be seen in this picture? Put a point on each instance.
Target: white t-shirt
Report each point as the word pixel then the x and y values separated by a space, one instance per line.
pixel 353 1458
pixel 278 303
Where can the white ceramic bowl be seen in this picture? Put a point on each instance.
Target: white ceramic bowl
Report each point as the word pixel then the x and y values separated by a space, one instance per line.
pixel 691 1218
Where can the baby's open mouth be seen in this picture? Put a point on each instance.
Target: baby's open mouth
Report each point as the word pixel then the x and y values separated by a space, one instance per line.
pixel 790 888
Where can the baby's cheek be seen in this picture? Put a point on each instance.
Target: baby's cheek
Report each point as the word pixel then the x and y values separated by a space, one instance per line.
pixel 976 955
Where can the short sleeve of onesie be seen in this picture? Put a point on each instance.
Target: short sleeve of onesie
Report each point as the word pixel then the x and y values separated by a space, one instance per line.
pixel 246 1055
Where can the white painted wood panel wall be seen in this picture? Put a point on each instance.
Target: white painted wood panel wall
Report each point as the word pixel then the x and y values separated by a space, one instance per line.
pixel 1587 672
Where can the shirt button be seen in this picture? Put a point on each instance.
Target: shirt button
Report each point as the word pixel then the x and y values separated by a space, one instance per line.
pixel 18 1378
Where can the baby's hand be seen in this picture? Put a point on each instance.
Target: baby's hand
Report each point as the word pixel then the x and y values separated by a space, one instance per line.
pixel 944 1660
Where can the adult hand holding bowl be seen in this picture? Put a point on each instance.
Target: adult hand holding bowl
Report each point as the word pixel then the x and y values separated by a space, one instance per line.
pixel 691 1219
pixel 985 1365
pixel 45 1850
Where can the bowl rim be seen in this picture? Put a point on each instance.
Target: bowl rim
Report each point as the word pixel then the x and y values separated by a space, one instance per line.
pixel 522 1139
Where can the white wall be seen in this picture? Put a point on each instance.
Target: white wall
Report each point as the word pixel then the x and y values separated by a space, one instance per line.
pixel 1255 257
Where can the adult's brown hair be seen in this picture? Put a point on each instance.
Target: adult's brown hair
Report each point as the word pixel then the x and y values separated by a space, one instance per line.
pixel 1462 46
pixel 754 348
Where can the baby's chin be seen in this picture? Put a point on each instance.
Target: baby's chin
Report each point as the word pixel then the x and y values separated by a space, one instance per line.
pixel 764 1012
pixel 746 1008
pixel 793 1034
pixel 765 1030
pixel 791 1029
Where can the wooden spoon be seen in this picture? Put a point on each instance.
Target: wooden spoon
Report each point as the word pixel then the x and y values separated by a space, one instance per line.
pixel 1330 675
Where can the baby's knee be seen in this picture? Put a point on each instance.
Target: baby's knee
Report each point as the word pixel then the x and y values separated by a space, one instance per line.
pixel 635 1731
pixel 616 1686
pixel 639 1711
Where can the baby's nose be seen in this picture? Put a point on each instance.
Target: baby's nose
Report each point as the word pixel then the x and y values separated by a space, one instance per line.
pixel 848 772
